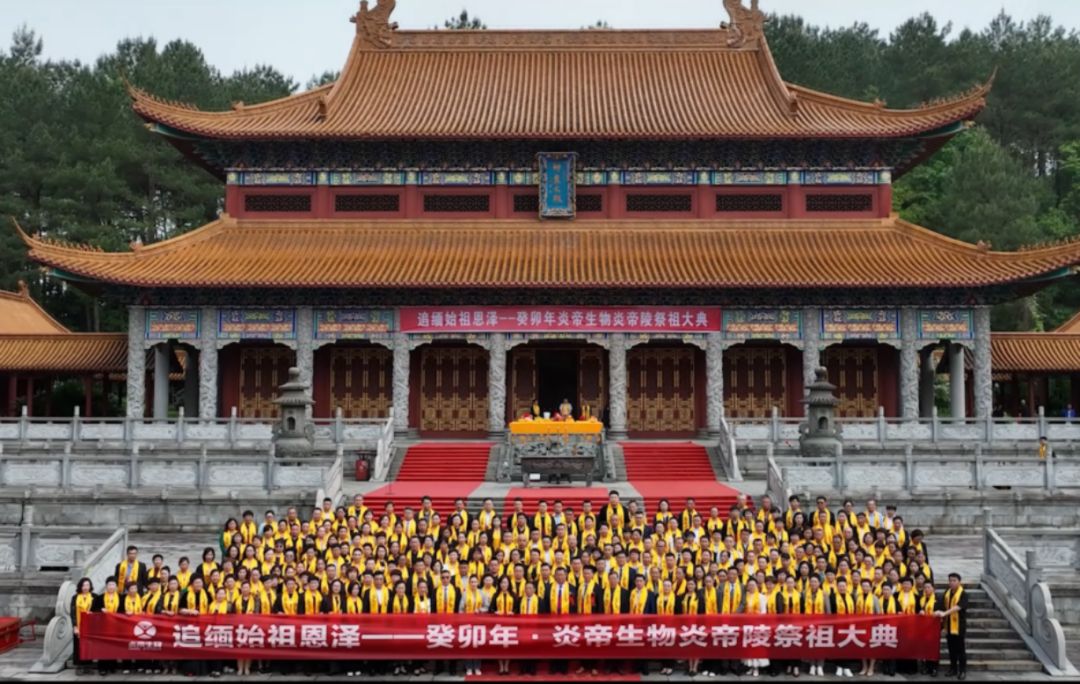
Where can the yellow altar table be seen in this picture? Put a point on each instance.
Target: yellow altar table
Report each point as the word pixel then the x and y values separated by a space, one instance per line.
pixel 551 427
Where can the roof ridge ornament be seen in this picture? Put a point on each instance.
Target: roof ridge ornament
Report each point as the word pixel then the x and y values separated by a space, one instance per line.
pixel 747 25
pixel 373 26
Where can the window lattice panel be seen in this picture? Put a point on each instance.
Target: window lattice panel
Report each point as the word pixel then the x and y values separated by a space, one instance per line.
pixel 749 202
pixel 278 203
pixel 659 203
pixel 839 203
pixel 457 204
pixel 367 203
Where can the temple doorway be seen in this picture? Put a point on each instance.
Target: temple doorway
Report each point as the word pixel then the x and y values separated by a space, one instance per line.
pixel 449 392
pixel 866 377
pixel 665 390
pixel 556 378
pixel 250 376
pixel 547 372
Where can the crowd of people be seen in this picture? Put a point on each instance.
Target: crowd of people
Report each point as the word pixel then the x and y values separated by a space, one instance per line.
pixel 614 559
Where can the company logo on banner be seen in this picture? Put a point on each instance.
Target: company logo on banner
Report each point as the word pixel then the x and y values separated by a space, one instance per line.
pixel 947 324
pixel 108 636
pixel 257 324
pixel 860 324
pixel 578 319
pixel 173 324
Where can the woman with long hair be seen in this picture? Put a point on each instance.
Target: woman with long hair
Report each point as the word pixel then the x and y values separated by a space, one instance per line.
pixel 81 603
pixel 504 603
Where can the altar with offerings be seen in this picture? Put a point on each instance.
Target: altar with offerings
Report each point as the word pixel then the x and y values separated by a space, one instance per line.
pixel 557 448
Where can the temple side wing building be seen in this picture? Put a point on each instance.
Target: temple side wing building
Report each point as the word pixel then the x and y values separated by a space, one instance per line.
pixel 653 224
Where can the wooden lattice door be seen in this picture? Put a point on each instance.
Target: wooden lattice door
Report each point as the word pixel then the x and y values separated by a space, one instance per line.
pixel 754 381
pixel 262 371
pixel 361 381
pixel 592 381
pixel 660 389
pixel 453 389
pixel 523 387
pixel 854 371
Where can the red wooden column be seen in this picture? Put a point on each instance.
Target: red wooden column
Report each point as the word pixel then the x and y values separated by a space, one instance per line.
pixel 13 394
pixel 88 396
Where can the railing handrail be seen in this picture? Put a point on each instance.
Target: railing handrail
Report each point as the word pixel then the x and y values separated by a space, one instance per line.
pixel 1031 615
pixel 384 449
pixel 729 450
pixel 58 642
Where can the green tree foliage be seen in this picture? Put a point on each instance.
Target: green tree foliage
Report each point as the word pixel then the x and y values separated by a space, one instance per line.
pixel 464 22
pixel 79 166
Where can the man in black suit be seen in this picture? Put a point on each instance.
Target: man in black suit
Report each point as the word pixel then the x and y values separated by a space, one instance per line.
pixel 955 617
pixel 131 571
pixel 446 601
pixel 561 600
pixel 615 509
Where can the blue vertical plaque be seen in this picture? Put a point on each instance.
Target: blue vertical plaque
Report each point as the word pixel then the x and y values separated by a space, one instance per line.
pixel 558 190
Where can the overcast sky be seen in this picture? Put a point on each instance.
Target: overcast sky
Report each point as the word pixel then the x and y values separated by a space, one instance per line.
pixel 305 37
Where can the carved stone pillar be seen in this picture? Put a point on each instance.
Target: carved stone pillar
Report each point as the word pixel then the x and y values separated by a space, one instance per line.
pixel 811 346
pixel 984 382
pixel 162 354
pixel 927 377
pixel 909 366
pixel 305 349
pixel 136 363
pixel 957 382
pixel 401 382
pixel 617 385
pixel 208 366
pixel 714 382
pixel 497 385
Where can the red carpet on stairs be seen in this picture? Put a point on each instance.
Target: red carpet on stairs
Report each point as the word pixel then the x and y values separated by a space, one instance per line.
pixel 675 471
pixel 570 496
pixel 442 470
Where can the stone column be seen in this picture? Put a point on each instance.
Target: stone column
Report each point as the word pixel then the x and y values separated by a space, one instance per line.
pixel 957 389
pixel 909 367
pixel 497 385
pixel 208 366
pixel 617 384
pixel 927 376
pixel 811 346
pixel 162 352
pixel 714 382
pixel 401 382
pixel 136 363
pixel 305 349
pixel 984 382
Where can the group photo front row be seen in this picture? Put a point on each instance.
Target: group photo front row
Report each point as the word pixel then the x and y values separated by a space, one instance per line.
pixel 617 560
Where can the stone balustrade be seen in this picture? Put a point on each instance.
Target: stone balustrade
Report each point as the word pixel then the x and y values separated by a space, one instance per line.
pixel 962 468
pixel 230 432
pixel 202 471
pixel 1014 581
pixel 933 430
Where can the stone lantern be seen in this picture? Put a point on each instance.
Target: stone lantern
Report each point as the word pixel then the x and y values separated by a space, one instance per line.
pixel 294 435
pixel 819 436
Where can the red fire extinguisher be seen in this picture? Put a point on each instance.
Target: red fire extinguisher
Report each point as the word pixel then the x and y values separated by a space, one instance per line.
pixel 363 470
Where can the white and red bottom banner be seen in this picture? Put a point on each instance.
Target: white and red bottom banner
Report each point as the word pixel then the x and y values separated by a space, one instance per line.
pixel 107 636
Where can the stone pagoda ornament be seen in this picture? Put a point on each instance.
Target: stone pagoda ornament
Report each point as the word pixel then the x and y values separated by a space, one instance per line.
pixel 819 436
pixel 294 435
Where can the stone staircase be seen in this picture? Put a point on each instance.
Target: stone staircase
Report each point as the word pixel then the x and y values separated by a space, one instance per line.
pixel 992 644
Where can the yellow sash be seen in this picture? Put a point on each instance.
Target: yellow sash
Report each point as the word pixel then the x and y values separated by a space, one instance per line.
pixel 83 603
pixel 951 601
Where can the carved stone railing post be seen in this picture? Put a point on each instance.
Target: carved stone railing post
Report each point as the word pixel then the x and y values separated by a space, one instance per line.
pixel 909 365
pixel 984 384
pixel 208 366
pixel 617 391
pixel 401 383
pixel 497 385
pixel 136 362
pixel 714 383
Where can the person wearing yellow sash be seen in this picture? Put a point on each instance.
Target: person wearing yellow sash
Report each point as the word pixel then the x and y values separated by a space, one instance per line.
pixel 755 603
pixel 642 602
pixel 130 571
pixel 288 600
pixel 81 603
pixel 108 602
pixel 153 596
pixel 666 604
pixel 504 603
pixel 691 604
pixel 447 600
pixel 474 601
pixel 789 601
pixel 928 606
pixel 814 603
pixel 843 604
pixel 183 573
pixel 955 616
pixel 867 604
